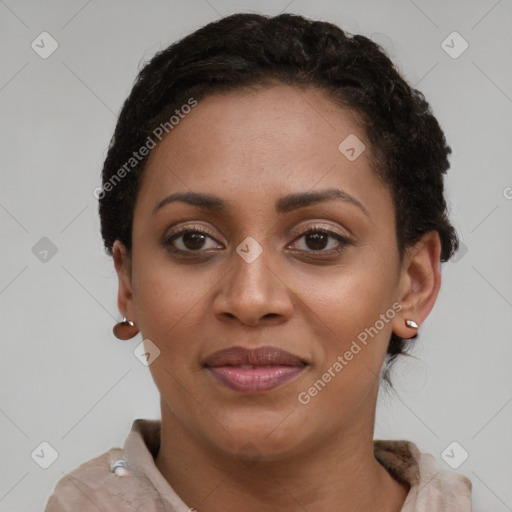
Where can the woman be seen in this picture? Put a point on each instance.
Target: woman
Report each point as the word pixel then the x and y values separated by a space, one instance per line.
pixel 273 202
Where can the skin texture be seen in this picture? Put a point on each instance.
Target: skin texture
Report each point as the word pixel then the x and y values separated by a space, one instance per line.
pixel 222 450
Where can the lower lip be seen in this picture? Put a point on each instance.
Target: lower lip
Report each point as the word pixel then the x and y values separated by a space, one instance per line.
pixel 259 379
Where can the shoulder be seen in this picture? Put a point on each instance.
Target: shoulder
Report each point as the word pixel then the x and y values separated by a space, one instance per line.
pixel 92 486
pixel 429 484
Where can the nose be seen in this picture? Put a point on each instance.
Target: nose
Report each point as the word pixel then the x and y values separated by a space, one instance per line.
pixel 253 293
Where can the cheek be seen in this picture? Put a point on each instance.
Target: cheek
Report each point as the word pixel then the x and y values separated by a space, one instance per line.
pixel 348 298
pixel 168 301
pixel 351 311
pixel 170 312
pixel 352 346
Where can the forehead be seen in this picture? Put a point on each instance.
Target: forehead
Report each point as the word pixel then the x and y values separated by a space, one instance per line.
pixel 258 144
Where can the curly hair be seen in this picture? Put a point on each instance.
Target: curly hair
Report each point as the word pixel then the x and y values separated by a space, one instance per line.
pixel 408 147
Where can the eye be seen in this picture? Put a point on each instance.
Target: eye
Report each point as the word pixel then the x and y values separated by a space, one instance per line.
pixel 189 240
pixel 316 239
pixel 194 239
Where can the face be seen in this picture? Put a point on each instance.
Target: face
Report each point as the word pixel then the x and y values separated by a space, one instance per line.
pixel 292 252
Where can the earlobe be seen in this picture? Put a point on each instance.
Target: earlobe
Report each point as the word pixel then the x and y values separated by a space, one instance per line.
pixel 420 284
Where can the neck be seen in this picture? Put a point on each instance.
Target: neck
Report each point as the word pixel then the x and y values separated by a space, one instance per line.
pixel 340 474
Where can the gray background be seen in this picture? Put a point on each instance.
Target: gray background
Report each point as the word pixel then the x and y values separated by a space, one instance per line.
pixel 66 380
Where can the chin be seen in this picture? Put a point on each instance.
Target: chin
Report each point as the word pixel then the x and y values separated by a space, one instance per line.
pixel 256 437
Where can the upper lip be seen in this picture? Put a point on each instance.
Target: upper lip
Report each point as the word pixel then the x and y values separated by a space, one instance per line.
pixel 262 356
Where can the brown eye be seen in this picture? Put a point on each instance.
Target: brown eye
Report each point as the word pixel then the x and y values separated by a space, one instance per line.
pixel 193 240
pixel 189 240
pixel 318 240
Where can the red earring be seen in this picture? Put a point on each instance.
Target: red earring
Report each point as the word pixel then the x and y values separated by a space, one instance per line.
pixel 125 330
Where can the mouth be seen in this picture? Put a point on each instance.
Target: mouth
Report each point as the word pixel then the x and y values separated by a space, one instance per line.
pixel 254 371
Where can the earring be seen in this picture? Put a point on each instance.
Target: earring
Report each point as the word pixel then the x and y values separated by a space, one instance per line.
pixel 411 323
pixel 125 330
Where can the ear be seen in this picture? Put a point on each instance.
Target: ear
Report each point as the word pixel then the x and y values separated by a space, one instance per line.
pixel 123 266
pixel 420 282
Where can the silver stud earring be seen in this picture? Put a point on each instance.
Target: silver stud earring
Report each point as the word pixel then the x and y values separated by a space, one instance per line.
pixel 411 323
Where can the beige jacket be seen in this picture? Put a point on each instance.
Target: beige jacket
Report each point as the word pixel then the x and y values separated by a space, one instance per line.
pixel 93 487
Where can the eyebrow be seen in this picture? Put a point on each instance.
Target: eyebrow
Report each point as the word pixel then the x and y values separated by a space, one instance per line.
pixel 283 205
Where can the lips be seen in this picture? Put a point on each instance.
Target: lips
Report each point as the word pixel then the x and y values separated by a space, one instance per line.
pixel 254 371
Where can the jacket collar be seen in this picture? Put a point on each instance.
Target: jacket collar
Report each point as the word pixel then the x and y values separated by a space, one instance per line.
pixel 431 488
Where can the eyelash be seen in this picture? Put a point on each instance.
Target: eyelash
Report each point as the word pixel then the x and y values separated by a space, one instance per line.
pixel 167 243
